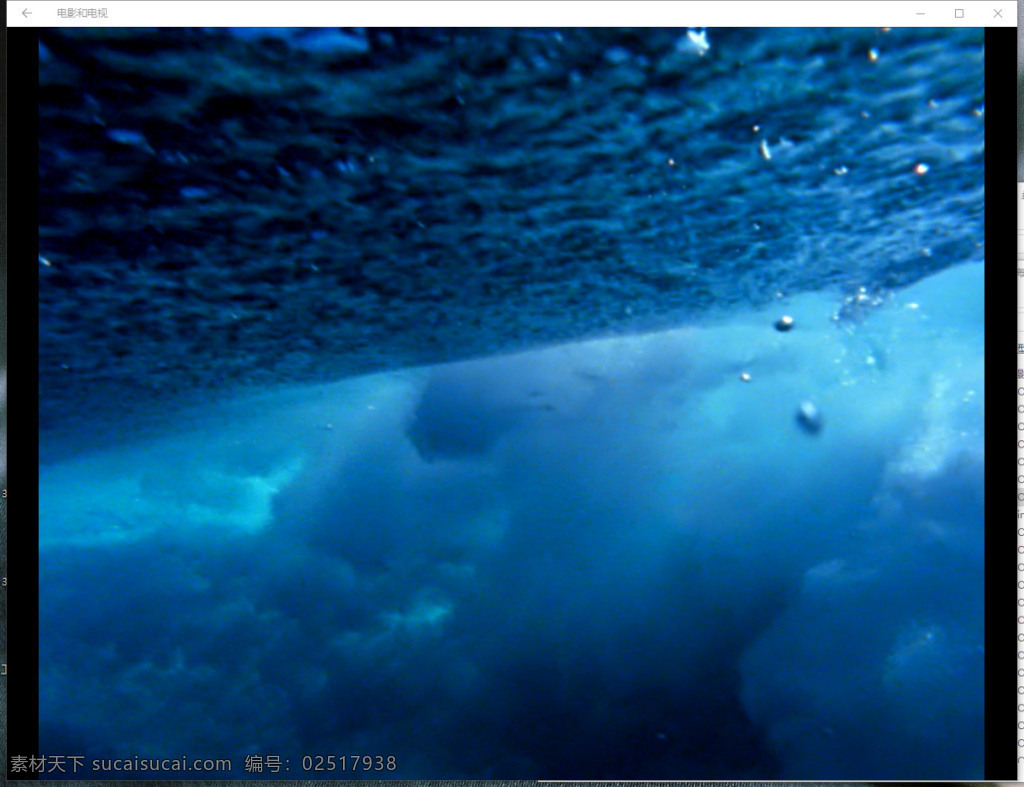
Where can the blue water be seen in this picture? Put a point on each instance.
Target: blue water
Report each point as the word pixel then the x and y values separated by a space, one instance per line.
pixel 618 558
pixel 715 550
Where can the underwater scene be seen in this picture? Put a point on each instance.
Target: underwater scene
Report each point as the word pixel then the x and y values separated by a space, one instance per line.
pixel 487 404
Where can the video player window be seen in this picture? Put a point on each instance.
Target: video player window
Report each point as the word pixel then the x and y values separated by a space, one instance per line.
pixel 463 402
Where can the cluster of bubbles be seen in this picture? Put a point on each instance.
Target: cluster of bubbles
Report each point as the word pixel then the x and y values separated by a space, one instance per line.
pixel 855 307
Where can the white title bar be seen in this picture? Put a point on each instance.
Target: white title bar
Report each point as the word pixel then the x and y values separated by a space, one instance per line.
pixel 511 13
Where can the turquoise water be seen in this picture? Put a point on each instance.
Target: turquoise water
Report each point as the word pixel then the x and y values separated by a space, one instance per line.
pixel 639 529
pixel 606 558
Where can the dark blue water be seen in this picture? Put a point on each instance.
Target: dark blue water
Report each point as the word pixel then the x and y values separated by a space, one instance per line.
pixel 717 551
